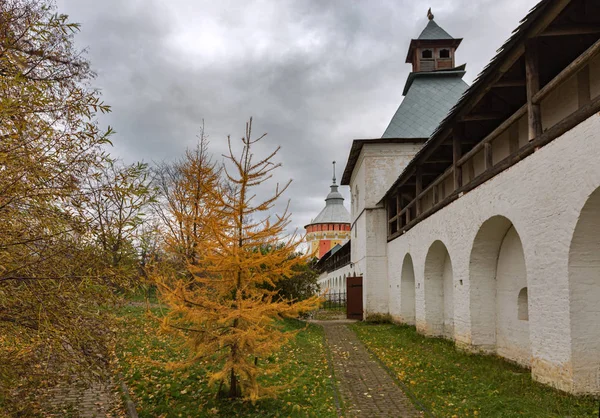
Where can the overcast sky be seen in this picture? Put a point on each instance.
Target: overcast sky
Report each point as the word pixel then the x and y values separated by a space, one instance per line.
pixel 314 74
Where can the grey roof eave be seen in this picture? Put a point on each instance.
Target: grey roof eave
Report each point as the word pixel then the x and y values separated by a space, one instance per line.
pixel 458 71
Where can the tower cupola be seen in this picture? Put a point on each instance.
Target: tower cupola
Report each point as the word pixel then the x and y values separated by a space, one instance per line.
pixel 331 226
pixel 433 50
pixel 432 88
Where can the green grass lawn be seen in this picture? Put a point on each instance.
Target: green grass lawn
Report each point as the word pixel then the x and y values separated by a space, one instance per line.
pixel 326 314
pixel 143 294
pixel 159 392
pixel 452 383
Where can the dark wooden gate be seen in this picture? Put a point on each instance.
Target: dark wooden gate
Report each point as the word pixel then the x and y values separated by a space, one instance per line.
pixel 354 298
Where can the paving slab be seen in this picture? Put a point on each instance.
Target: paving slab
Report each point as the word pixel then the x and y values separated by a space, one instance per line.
pixel 99 400
pixel 366 388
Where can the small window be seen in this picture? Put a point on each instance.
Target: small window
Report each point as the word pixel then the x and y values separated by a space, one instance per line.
pixel 523 305
pixel 427 54
pixel 444 53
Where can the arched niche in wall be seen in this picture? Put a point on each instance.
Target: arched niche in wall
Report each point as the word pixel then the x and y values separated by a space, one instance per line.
pixel 439 291
pixel 407 291
pixel 498 289
pixel 584 295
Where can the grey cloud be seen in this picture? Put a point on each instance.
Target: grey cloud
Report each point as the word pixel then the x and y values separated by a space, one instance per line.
pixel 314 74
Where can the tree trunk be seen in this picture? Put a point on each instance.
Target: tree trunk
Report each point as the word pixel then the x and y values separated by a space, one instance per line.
pixel 233 390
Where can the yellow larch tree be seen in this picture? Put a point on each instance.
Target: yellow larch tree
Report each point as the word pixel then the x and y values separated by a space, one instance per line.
pixel 223 307
pixel 185 190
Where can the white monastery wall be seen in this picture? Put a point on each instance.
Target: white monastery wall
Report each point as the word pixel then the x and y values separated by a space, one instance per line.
pixel 513 266
pixel 584 274
pixel 335 281
pixel 375 277
pixel 359 243
pixel 378 166
pixel 384 163
pixel 511 233
pixel 357 188
pixel 512 333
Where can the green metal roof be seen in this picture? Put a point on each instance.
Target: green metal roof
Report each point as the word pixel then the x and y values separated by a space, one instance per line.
pixel 334 210
pixel 516 40
pixel 429 98
pixel 433 32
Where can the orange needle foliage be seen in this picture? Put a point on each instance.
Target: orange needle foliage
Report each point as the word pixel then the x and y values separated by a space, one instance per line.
pixel 221 304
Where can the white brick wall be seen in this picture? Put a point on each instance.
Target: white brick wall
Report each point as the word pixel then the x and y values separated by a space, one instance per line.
pixel 511 233
pixel 542 197
pixel 335 281
pixel 377 167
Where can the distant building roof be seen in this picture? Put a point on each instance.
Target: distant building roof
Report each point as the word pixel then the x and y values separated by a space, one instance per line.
pixel 433 32
pixel 429 97
pixel 334 210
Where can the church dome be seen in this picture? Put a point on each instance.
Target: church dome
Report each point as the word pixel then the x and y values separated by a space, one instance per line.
pixel 334 210
pixel 331 227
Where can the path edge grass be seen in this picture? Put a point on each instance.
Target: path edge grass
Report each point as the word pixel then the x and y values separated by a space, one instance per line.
pixel 390 369
pixel 413 398
pixel 128 403
pixel 337 398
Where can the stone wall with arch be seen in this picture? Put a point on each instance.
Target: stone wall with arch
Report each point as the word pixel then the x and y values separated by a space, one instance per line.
pixel 335 280
pixel 584 295
pixel 530 235
pixel 407 291
pixel 498 290
pixel 438 290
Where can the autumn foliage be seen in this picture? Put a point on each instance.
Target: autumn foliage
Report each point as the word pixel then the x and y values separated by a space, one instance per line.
pixel 54 281
pixel 78 229
pixel 220 302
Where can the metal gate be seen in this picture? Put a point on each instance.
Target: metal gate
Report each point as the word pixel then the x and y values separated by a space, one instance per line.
pixel 354 298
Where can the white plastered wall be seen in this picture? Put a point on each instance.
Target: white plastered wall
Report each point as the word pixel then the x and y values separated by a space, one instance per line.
pixel 335 281
pixel 542 197
pixel 512 333
pixel 584 281
pixel 377 167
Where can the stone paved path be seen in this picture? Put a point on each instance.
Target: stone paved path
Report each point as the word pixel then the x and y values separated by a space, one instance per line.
pixel 98 401
pixel 366 388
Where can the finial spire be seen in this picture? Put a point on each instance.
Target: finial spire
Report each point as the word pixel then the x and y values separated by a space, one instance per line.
pixel 429 14
pixel 334 172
